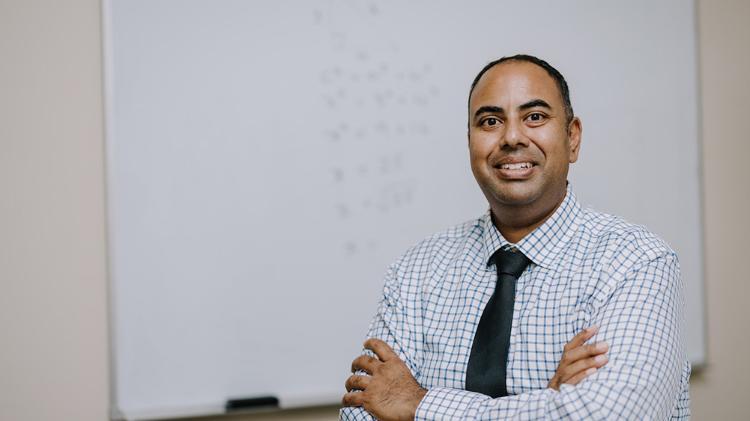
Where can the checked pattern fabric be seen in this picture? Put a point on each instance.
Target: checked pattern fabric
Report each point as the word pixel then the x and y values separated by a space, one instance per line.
pixel 587 268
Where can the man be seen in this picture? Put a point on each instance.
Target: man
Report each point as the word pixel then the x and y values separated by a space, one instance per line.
pixel 487 319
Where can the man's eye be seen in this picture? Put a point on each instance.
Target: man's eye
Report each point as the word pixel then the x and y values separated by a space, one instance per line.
pixel 492 121
pixel 536 117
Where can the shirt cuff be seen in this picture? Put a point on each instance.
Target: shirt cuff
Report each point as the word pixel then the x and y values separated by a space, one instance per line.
pixel 349 413
pixel 442 403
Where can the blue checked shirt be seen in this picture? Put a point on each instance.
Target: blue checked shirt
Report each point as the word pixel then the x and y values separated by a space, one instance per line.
pixel 587 268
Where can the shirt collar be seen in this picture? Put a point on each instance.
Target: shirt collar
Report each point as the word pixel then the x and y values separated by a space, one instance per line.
pixel 543 244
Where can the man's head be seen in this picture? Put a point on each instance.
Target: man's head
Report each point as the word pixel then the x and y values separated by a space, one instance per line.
pixel 522 137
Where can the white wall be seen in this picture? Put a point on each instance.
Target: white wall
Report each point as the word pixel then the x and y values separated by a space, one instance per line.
pixel 53 307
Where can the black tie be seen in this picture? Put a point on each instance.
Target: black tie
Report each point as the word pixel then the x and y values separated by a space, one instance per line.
pixel 489 352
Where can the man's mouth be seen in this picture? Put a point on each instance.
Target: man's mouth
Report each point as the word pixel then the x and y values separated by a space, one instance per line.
pixel 515 170
pixel 516 166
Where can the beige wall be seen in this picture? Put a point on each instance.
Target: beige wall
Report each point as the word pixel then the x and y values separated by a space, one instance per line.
pixel 53 313
pixel 53 355
pixel 720 391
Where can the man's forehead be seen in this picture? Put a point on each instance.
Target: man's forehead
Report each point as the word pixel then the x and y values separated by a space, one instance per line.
pixel 515 81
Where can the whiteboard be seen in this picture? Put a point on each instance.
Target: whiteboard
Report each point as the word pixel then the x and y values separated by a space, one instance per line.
pixel 267 160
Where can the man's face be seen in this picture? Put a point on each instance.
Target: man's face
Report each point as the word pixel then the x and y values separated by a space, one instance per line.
pixel 519 140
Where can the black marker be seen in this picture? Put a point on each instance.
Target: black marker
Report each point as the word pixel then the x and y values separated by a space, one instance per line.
pixel 251 403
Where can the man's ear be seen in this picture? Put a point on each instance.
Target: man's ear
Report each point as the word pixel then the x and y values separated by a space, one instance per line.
pixel 575 128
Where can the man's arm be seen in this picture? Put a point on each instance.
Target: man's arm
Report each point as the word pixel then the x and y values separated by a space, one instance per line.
pixel 391 393
pixel 390 383
pixel 390 326
pixel 641 323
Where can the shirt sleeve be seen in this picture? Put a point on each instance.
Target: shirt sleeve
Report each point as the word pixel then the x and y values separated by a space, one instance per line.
pixel 391 325
pixel 641 321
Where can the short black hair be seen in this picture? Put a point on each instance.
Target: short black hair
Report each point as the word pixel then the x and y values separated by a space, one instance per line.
pixel 562 85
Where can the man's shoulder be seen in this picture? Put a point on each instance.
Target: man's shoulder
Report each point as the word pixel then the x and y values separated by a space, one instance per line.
pixel 616 234
pixel 443 244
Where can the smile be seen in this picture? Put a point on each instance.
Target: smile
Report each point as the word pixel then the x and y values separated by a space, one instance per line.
pixel 515 171
pixel 516 166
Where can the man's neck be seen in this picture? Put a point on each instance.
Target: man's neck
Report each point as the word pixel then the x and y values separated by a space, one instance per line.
pixel 516 222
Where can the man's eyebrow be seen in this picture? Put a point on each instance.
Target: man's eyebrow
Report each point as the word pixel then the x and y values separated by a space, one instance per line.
pixel 534 103
pixel 499 110
pixel 488 109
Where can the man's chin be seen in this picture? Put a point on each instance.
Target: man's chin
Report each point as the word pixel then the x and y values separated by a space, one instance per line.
pixel 516 196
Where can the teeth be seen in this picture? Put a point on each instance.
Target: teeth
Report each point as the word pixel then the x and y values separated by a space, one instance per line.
pixel 518 166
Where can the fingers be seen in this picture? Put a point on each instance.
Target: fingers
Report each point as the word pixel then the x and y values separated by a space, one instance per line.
pixel 585 351
pixel 365 363
pixel 583 365
pixel 581 337
pixel 580 360
pixel 353 399
pixel 381 349
pixel 357 382
pixel 580 376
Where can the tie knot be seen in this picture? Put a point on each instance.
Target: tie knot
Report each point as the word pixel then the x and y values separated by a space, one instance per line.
pixel 510 262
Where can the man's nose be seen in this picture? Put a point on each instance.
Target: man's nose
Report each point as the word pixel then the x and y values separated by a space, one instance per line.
pixel 514 135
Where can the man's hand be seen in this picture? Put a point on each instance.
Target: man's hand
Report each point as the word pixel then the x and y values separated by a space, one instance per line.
pixel 390 392
pixel 578 360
